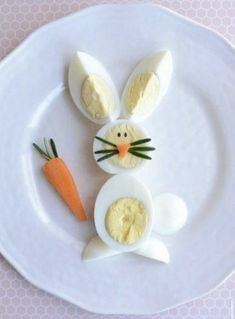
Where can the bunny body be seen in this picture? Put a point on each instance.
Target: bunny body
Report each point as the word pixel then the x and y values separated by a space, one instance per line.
pixel 122 147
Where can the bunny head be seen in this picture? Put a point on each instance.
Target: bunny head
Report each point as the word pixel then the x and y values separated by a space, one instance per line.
pixel 120 146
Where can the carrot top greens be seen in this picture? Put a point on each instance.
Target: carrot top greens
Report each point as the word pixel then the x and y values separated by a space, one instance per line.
pixel 50 151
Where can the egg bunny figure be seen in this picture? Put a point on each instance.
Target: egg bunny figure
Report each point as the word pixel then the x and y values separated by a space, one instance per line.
pixel 126 215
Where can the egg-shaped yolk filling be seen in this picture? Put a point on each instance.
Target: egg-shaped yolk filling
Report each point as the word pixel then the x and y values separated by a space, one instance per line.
pixel 97 97
pixel 123 135
pixel 126 220
pixel 142 93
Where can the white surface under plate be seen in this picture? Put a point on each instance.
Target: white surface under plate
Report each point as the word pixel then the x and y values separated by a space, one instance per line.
pixel 193 130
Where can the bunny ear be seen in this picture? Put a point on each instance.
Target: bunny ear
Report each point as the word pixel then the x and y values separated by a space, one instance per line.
pixel 92 89
pixel 146 86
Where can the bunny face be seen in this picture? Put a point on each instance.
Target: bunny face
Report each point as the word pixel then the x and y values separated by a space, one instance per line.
pixel 123 135
pixel 121 155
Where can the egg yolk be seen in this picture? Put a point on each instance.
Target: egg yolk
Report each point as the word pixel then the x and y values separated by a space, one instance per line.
pixel 142 93
pixel 97 97
pixel 124 134
pixel 126 220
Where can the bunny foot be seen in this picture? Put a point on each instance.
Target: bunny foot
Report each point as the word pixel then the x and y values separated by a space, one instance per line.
pixel 97 249
pixel 153 249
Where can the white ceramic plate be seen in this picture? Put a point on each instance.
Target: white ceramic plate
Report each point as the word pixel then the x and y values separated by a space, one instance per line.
pixel 194 134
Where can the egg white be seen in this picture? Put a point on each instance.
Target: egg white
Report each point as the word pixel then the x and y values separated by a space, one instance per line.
pixel 81 66
pixel 161 65
pixel 97 249
pixel 155 249
pixel 117 187
pixel 171 213
pixel 152 248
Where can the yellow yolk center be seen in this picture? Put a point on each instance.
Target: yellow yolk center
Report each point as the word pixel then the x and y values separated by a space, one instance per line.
pixel 126 220
pixel 97 97
pixel 142 93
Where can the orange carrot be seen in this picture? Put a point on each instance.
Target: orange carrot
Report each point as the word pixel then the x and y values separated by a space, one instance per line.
pixel 61 179
pixel 123 149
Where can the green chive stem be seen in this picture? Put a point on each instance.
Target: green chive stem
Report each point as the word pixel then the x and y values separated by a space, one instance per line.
pixel 143 148
pixel 107 156
pixel 139 154
pixel 47 148
pixel 53 147
pixel 41 152
pixel 142 141
pixel 104 151
pixel 105 141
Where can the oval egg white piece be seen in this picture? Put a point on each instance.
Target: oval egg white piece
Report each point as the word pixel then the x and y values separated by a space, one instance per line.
pixel 146 86
pixel 83 71
pixel 170 213
pixel 122 186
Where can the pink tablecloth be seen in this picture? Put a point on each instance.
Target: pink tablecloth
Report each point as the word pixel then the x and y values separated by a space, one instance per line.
pixel 19 299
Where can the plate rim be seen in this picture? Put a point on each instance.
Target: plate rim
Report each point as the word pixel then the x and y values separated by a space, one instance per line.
pixel 28 41
pixel 162 8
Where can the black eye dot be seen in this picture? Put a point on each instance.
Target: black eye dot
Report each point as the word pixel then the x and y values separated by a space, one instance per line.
pixel 119 134
pixel 125 134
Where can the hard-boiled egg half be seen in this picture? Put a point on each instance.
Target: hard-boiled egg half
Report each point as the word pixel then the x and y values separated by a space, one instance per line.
pixel 146 86
pixel 92 89
pixel 122 225
pixel 122 147
pixel 124 213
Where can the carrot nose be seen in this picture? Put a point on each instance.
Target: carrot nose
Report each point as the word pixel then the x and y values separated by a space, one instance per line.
pixel 123 149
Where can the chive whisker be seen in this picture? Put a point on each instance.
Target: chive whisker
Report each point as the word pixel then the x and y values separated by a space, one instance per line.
pixel 41 152
pixel 141 155
pixel 142 141
pixel 104 151
pixel 107 156
pixel 143 148
pixel 105 141
pixel 53 147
